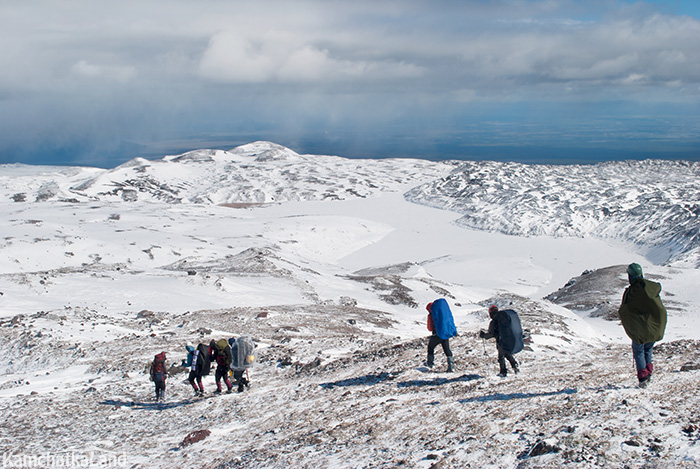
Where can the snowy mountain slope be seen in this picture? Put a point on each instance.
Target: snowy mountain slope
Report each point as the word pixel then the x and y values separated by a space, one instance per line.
pixel 93 284
pixel 20 183
pixel 655 204
pixel 596 293
pixel 260 172
pixel 333 389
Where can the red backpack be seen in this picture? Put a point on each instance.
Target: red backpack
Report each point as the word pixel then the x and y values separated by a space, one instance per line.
pixel 158 372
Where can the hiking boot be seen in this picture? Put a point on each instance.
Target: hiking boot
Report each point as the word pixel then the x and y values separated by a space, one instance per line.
pixel 644 382
pixel 450 364
pixel 430 361
pixel 218 391
pixel 502 374
pixel 229 391
pixel 241 388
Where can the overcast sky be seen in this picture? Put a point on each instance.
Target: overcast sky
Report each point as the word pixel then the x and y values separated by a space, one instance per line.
pixel 97 83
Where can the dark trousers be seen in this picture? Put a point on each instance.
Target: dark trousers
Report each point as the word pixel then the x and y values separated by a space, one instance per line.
pixel 222 372
pixel 502 357
pixel 160 389
pixel 240 380
pixel 434 341
pixel 194 376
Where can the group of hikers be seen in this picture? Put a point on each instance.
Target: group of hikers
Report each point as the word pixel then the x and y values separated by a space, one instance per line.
pixel 233 358
pixel 641 312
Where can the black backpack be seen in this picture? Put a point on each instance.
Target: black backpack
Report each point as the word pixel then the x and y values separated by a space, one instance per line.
pixel 510 331
pixel 203 359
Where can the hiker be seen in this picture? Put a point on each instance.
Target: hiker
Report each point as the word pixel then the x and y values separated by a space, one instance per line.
pixel 643 316
pixel 159 373
pixel 199 363
pixel 506 328
pixel 222 355
pixel 242 359
pixel 187 362
pixel 442 326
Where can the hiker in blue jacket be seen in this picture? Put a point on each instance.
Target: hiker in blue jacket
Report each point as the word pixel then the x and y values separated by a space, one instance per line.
pixel 506 328
pixel 442 325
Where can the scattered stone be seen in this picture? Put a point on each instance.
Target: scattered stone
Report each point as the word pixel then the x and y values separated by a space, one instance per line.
pixel 313 364
pixel 177 369
pixel 690 429
pixel 194 437
pixel 347 301
pixel 540 448
pixel 690 366
pixel 656 448
pixel 285 361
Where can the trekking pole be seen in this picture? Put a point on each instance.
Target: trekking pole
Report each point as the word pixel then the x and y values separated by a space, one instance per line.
pixel 483 362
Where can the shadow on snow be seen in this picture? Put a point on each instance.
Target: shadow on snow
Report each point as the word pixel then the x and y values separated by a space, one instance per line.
pixel 516 395
pixel 148 405
pixel 377 378
pixel 438 381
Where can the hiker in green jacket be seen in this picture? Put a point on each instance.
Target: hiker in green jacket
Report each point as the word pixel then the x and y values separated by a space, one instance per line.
pixel 643 316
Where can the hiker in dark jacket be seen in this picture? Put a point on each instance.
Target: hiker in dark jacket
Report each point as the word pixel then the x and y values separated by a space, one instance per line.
pixel 441 324
pixel 643 316
pixel 505 327
pixel 159 373
pixel 222 356
pixel 198 361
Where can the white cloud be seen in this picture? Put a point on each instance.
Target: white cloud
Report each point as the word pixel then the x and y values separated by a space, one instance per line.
pixel 233 58
pixel 118 73
pixel 602 53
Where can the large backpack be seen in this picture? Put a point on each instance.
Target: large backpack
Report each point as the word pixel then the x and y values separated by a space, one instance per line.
pixel 642 313
pixel 510 331
pixel 242 351
pixel 442 319
pixel 158 367
pixel 223 353
pixel 203 360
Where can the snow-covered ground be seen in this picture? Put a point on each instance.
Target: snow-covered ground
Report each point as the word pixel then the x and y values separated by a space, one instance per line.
pixel 329 267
